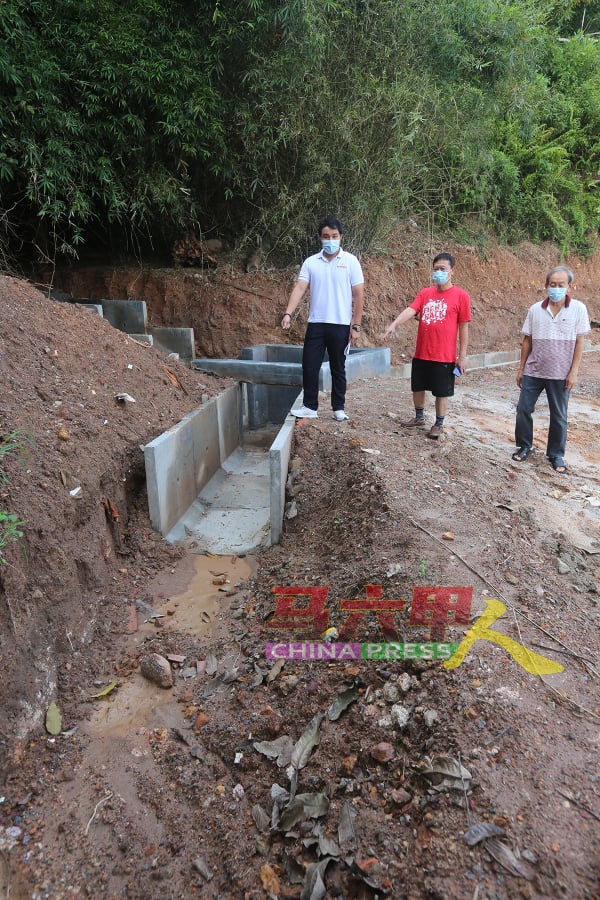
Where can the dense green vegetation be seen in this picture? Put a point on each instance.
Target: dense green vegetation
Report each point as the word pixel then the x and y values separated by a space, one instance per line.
pixel 126 124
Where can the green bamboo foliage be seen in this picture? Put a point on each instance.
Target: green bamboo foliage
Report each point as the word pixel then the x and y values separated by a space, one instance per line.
pixel 253 118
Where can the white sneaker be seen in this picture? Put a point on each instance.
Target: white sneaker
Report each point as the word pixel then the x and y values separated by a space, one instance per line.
pixel 303 412
pixel 339 415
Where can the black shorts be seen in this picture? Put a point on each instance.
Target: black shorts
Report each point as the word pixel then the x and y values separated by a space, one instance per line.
pixel 437 377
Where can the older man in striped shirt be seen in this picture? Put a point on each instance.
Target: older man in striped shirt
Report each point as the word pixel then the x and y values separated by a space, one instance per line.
pixel 553 335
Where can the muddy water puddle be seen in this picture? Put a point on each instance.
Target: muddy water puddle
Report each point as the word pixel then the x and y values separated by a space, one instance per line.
pixel 193 598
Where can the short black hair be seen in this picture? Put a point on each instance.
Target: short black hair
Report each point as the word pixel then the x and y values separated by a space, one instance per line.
pixel 330 222
pixel 447 256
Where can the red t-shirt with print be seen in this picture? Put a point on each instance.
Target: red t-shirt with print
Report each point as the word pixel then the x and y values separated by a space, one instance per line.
pixel 440 313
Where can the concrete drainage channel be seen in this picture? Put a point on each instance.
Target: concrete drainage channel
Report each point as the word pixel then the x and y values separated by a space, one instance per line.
pixel 216 480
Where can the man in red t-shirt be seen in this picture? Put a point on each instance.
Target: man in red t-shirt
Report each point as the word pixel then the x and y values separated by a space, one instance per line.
pixel 444 312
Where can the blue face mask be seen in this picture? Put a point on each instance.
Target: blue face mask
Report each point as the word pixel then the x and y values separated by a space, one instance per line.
pixel 440 277
pixel 557 295
pixel 330 246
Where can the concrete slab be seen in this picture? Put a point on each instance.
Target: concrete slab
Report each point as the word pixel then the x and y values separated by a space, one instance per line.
pixel 225 532
pixel 130 316
pixel 237 491
pixel 247 462
pixel 252 371
pixel 232 514
pixel 272 364
pixel 229 420
pixel 175 340
pixel 268 404
pixel 279 464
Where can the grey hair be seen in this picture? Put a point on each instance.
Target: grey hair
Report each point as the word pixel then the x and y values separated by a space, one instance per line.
pixel 556 269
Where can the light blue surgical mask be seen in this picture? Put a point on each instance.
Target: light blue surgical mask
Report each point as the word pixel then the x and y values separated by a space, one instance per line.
pixel 440 276
pixel 557 295
pixel 330 246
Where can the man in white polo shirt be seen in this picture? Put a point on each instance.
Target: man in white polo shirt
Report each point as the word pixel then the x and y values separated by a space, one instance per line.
pixel 554 331
pixel 336 285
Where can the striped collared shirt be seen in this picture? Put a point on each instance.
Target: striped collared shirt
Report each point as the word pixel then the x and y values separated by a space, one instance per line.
pixel 553 338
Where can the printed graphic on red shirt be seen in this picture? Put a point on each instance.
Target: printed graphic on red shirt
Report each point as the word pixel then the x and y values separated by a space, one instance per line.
pixel 434 311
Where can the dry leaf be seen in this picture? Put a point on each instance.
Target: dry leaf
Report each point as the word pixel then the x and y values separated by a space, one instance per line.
pixel 346 833
pixel 105 691
pixel 504 855
pixel 53 719
pixel 341 702
pixel 480 832
pixel 308 741
pixel 279 749
pixel 270 881
pixel 261 819
pixel 275 670
pixel 173 379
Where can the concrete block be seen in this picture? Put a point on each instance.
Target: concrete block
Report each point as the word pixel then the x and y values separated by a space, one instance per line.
pixel 279 462
pixel 364 362
pixel 143 338
pixel 476 361
pixel 498 358
pixel 403 371
pixel 60 296
pixel 286 353
pixel 283 365
pixel 267 404
pixel 175 340
pixel 130 316
pixel 229 417
pixel 252 371
pixel 181 461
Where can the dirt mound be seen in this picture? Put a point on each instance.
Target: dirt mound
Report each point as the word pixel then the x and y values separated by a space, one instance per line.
pixel 61 368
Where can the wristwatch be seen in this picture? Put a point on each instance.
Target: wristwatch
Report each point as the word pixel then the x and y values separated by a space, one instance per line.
pixel 356 328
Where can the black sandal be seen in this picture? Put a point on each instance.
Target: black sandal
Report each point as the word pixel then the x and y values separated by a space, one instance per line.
pixel 522 453
pixel 559 467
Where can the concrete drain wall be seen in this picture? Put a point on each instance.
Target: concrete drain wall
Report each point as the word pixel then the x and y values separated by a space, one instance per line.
pixel 209 483
pixel 211 486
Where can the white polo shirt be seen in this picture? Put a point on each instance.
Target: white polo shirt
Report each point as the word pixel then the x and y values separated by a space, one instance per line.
pixel 553 338
pixel 331 286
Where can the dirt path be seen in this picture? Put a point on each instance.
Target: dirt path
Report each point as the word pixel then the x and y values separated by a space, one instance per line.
pixel 163 793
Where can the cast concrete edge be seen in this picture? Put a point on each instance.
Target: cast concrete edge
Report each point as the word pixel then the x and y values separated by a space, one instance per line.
pixel 279 463
pixel 182 460
pixel 486 360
